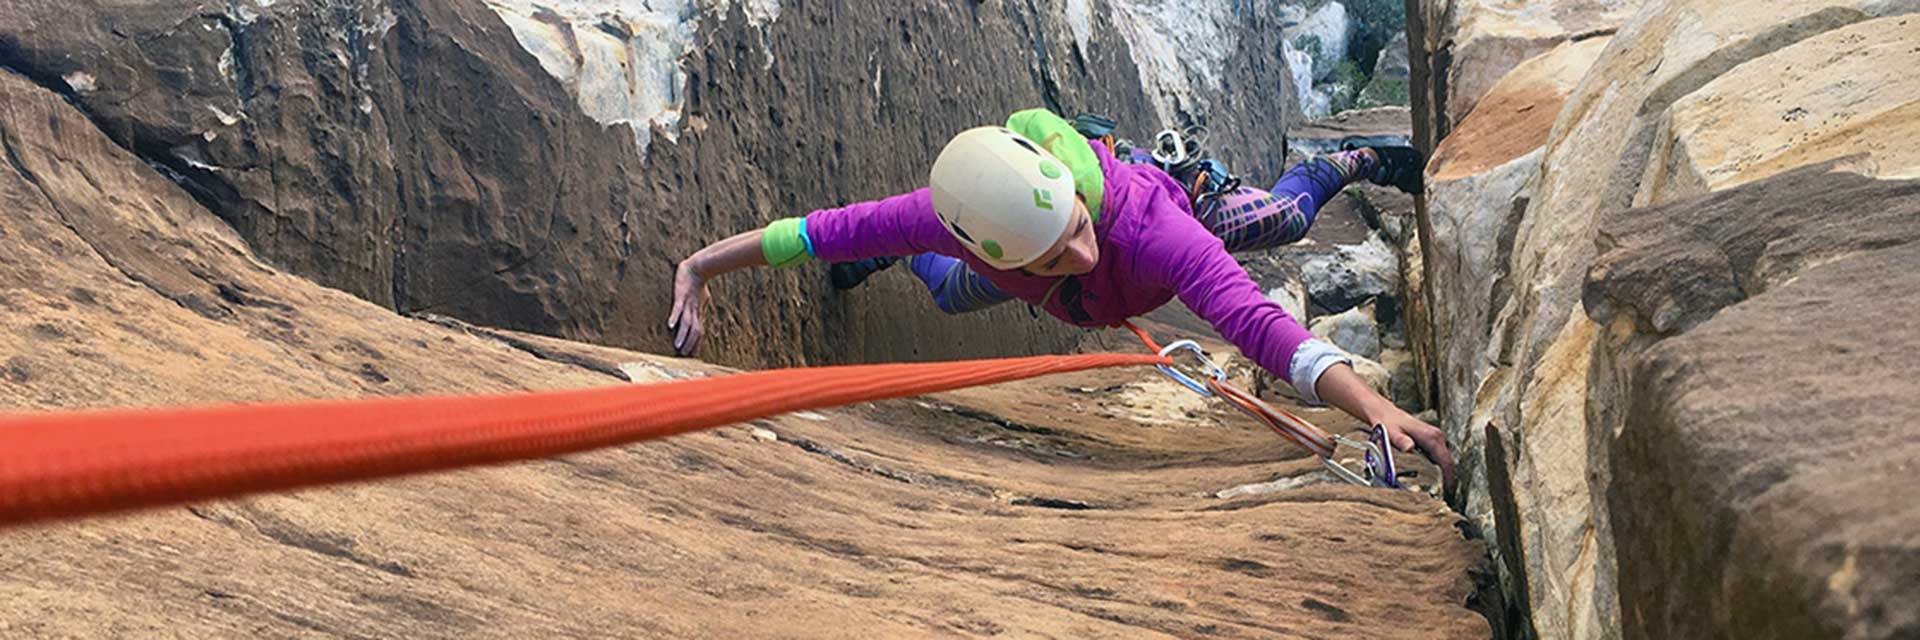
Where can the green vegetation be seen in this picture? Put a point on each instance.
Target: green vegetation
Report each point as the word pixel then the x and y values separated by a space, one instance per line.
pixel 1383 92
pixel 1372 25
pixel 1309 43
pixel 1354 90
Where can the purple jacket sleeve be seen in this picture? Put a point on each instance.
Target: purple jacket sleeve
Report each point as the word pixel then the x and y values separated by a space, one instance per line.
pixel 902 225
pixel 1181 254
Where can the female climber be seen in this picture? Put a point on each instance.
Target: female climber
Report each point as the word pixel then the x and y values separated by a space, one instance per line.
pixel 1065 226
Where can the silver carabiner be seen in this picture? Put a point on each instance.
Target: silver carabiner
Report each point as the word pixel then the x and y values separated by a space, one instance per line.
pixel 1212 368
pixel 1170 148
pixel 1380 470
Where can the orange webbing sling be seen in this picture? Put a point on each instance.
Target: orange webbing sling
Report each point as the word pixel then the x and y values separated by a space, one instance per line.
pixel 1289 426
pixel 66 465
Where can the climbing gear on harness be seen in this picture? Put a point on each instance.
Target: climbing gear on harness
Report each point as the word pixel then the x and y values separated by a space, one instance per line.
pixel 1177 149
pixel 847 275
pixel 1211 180
pixel 1005 198
pixel 1178 152
pixel 1095 127
pixel 1377 467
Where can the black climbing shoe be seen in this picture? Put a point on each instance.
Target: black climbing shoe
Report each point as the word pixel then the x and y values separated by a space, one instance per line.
pixel 847 275
pixel 1401 168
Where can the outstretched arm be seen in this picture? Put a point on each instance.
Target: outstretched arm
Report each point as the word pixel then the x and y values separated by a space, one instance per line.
pixel 1341 387
pixel 898 226
pixel 690 283
pixel 1211 283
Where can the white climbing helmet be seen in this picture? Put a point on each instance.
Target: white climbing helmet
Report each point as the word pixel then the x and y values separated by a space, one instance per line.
pixel 1003 196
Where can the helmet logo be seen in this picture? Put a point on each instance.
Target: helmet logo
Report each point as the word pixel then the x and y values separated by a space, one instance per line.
pixel 1043 199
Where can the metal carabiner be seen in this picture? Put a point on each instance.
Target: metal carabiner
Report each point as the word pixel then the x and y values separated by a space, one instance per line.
pixel 1170 148
pixel 1212 368
pixel 1380 470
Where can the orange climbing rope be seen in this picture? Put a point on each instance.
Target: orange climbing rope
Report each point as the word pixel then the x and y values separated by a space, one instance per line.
pixel 68 465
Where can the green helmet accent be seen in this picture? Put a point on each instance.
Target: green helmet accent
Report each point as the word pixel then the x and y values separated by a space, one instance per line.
pixel 992 248
pixel 1049 169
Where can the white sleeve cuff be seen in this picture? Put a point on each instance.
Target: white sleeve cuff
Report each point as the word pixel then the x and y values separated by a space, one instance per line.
pixel 1313 358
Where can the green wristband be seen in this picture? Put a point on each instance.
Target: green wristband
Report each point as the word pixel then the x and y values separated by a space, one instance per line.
pixel 784 243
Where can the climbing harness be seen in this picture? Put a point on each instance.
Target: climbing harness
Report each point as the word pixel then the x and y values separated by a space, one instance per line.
pixel 1177 151
pixel 1377 468
pixel 1096 127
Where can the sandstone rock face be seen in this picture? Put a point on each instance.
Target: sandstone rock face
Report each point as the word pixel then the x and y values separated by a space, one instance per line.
pixel 993 511
pixel 1745 329
pixel 1479 186
pixel 620 60
pixel 543 167
pixel 1517 114
pixel 1490 37
pixel 1842 93
pixel 1461 48
pixel 1557 395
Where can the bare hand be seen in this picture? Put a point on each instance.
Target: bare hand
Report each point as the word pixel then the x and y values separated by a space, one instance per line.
pixel 689 299
pixel 1406 432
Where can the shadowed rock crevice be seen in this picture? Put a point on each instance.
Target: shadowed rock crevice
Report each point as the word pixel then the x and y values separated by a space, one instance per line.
pixel 273 527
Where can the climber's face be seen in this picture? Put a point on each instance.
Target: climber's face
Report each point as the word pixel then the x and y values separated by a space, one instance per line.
pixel 1075 252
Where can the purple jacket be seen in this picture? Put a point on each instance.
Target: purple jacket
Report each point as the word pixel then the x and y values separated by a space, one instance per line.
pixel 1151 249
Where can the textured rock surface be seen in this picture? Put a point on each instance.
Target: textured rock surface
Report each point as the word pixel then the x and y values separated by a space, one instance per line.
pixel 1391 72
pixel 1291 294
pixel 1650 122
pixel 1481 40
pixel 1381 126
pixel 1517 114
pixel 1392 64
pixel 1321 33
pixel 905 519
pixel 426 157
pixel 1845 92
pixel 1745 327
pixel 1352 274
pixel 1353 330
pixel 1479 187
